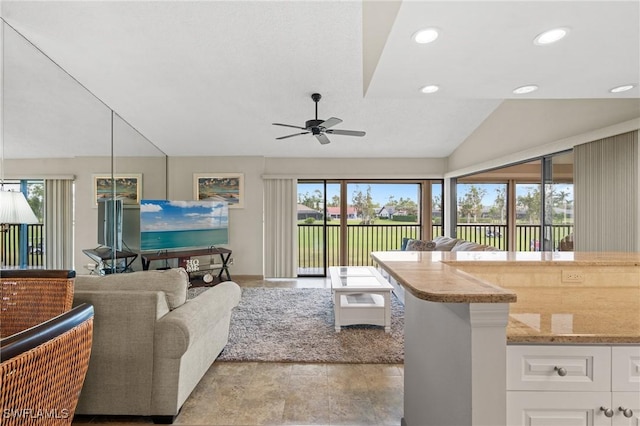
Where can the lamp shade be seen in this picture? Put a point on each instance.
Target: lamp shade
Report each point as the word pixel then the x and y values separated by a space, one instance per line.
pixel 15 209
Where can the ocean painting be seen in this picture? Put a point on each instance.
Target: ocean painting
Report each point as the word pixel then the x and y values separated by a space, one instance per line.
pixel 166 225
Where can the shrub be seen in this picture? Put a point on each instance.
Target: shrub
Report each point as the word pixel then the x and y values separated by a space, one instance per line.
pixel 405 218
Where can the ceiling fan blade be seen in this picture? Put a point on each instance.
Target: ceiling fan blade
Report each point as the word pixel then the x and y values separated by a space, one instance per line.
pixel 289 125
pixel 322 138
pixel 290 136
pixel 346 132
pixel 330 122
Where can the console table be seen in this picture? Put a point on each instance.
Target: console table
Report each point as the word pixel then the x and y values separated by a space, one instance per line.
pixel 185 261
pixel 107 259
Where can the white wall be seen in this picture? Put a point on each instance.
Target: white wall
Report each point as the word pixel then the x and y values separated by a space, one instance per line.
pixel 356 168
pixel 505 137
pixel 245 224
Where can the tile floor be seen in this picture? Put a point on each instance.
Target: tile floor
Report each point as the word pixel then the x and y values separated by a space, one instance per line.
pixel 252 393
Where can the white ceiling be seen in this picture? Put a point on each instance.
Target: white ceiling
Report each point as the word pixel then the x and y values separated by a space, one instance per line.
pixel 208 78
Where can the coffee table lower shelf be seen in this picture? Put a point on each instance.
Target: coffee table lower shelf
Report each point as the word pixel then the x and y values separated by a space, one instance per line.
pixel 362 308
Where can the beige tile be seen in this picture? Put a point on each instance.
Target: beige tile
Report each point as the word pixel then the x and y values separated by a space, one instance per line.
pixel 311 410
pixel 351 411
pixel 259 411
pixel 381 370
pixel 309 370
pixel 308 386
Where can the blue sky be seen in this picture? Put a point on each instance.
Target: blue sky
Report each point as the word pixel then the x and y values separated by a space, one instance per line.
pixel 162 215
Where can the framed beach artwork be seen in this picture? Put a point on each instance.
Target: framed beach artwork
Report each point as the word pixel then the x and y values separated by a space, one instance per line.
pixel 127 187
pixel 227 187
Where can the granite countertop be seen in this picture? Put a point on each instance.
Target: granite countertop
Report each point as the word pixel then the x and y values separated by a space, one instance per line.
pixel 603 309
pixel 446 284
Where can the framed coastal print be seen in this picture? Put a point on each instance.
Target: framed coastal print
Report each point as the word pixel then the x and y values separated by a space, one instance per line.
pixel 127 187
pixel 227 187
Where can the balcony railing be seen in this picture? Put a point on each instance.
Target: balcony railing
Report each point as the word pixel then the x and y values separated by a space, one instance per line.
pixel 363 239
pixel 10 239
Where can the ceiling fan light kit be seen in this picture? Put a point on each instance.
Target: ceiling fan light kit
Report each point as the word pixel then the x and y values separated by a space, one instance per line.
pixel 319 128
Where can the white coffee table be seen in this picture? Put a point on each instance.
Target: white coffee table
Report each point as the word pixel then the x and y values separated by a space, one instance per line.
pixel 360 296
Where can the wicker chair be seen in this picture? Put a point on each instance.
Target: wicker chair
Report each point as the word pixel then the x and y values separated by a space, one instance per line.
pixel 43 369
pixel 33 296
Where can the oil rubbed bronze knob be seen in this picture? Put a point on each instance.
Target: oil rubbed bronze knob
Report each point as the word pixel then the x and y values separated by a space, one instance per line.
pixel 608 412
pixel 627 412
pixel 560 370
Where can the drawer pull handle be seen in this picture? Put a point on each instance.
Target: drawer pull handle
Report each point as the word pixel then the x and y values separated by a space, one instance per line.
pixel 608 412
pixel 561 371
pixel 627 412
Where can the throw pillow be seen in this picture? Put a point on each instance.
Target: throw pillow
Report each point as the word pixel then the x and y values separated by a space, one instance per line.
pixel 405 240
pixel 420 245
pixel 445 243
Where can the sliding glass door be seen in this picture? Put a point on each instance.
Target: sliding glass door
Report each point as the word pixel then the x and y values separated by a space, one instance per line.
pixel 340 222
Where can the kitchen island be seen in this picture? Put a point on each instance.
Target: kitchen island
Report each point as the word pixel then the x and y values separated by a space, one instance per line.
pixel 462 309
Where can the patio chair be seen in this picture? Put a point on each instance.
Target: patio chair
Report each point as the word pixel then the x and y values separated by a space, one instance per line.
pixel 43 368
pixel 33 296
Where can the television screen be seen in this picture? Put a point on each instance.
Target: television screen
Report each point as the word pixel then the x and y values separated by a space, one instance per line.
pixel 166 225
pixel 110 223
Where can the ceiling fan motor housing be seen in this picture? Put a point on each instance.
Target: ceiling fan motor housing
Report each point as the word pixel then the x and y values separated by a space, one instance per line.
pixel 314 126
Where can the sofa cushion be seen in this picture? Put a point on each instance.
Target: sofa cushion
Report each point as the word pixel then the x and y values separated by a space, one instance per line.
pixel 470 246
pixel 445 243
pixel 172 282
pixel 420 245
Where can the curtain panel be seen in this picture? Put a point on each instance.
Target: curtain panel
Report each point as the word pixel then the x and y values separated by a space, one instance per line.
pixel 58 223
pixel 607 188
pixel 280 218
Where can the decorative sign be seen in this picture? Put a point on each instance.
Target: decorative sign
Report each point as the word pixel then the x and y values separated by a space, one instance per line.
pixel 192 265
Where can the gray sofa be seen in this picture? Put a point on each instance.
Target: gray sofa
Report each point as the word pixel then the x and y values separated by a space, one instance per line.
pixel 151 346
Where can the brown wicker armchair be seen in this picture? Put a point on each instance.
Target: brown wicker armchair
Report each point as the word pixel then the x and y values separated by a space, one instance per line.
pixel 33 296
pixel 43 369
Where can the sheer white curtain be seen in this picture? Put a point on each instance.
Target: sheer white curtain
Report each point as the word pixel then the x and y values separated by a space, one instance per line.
pixel 58 223
pixel 280 218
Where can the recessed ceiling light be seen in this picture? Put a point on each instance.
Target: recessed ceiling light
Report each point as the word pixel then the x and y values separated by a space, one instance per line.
pixel 525 89
pixel 622 88
pixel 432 88
pixel 551 36
pixel 425 36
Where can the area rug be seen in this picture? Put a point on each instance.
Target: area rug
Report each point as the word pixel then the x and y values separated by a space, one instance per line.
pixel 296 325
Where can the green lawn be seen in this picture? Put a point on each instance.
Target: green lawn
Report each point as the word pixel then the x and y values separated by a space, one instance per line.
pixel 365 239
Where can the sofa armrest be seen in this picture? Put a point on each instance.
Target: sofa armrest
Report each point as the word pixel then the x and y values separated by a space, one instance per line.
pixel 120 375
pixel 177 330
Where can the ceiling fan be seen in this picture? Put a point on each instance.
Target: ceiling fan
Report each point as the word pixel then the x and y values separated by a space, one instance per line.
pixel 320 128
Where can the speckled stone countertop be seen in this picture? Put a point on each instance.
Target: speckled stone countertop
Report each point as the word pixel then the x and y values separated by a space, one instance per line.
pixel 445 283
pixel 604 308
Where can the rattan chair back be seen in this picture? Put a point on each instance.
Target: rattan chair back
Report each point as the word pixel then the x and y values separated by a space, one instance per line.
pixel 33 296
pixel 43 369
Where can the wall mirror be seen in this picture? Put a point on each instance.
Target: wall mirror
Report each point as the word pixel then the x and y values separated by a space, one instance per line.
pixel 54 128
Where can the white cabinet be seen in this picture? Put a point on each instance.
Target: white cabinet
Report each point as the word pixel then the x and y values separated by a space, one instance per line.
pixel 628 401
pixel 556 408
pixel 573 385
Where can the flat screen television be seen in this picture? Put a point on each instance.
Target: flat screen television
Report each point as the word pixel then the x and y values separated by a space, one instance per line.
pixel 166 225
pixel 110 223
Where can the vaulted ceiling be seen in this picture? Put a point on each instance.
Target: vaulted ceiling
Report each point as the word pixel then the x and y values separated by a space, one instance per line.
pixel 208 78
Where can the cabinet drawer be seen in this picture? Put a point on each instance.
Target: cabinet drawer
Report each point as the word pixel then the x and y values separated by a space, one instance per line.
pixel 557 408
pixel 625 364
pixel 562 368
